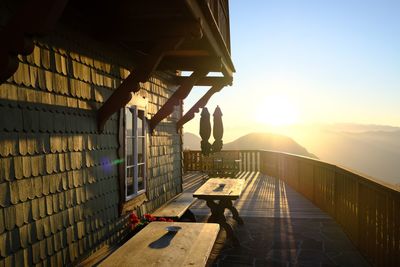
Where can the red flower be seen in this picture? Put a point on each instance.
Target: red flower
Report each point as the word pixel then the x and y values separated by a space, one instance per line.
pixel 170 220
pixel 149 217
pixel 162 219
pixel 133 218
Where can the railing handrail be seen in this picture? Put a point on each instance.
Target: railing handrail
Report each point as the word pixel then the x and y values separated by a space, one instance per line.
pixel 367 209
pixel 368 178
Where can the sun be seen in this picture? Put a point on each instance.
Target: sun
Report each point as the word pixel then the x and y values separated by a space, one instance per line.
pixel 277 110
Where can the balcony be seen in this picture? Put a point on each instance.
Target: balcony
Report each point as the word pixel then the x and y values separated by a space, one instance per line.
pixel 303 211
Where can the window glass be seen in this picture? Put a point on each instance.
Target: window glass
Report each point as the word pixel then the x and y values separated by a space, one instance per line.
pixel 141 177
pixel 129 123
pixel 140 123
pixel 140 149
pixel 129 152
pixel 129 181
pixel 135 151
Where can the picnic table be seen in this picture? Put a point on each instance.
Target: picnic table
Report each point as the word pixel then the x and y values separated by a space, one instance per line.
pixel 190 245
pixel 219 193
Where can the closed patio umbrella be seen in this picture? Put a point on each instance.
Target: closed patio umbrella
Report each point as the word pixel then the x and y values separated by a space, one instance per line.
pixel 218 130
pixel 205 131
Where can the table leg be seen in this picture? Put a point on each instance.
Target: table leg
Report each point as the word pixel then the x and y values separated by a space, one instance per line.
pixel 217 216
pixel 228 204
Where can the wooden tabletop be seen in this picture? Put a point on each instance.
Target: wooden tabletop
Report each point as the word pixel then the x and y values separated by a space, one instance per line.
pixel 220 188
pixel 155 246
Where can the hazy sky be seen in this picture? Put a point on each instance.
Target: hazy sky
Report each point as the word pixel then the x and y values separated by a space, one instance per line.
pixel 308 61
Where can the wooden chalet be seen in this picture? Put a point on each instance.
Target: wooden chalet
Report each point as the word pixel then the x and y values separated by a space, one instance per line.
pixel 91 115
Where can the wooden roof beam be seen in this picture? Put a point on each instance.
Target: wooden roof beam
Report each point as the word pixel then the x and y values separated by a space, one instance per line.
pixel 142 73
pixel 210 63
pixel 180 94
pixel 207 81
pixel 150 30
pixel 199 9
pixel 199 104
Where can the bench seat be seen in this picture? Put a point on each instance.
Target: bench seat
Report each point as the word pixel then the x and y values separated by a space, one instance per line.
pixel 177 208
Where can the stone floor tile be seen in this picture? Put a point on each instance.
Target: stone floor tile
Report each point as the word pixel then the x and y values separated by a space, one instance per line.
pixel 311 256
pixel 350 259
pixel 308 243
pixel 283 255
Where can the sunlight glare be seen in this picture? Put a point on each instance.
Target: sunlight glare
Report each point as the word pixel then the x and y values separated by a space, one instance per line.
pixel 277 110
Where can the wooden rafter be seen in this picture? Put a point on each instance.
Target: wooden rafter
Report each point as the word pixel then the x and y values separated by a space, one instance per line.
pixel 148 30
pixel 210 63
pixel 35 17
pixel 180 94
pixel 200 9
pixel 199 104
pixel 206 81
pixel 122 94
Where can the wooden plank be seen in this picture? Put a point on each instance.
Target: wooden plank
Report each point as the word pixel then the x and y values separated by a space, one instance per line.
pixel 155 246
pixel 216 188
pixel 176 207
pixel 207 81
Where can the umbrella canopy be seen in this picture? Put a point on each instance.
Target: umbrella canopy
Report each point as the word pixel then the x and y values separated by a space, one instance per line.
pixel 205 131
pixel 218 130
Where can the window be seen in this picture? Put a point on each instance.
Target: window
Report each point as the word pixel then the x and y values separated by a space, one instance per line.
pixel 135 152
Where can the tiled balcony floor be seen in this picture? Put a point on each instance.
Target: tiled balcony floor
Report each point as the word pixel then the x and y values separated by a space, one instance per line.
pixel 282 228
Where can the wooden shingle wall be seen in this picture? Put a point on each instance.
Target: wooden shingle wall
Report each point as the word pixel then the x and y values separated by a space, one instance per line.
pixel 164 150
pixel 59 191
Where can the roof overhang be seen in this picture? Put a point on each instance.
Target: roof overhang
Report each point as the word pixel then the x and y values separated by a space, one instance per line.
pixel 174 35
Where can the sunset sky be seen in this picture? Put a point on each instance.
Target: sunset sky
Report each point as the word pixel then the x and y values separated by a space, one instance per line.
pixel 309 61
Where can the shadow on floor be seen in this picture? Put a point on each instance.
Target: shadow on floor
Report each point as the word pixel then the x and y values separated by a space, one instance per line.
pixel 281 228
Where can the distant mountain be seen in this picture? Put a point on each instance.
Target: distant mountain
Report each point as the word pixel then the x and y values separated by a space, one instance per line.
pixel 253 141
pixel 370 149
pixel 268 141
pixel 356 127
pixel 374 151
pixel 191 141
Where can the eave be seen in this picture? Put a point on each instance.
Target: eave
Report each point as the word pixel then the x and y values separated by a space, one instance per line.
pixel 178 35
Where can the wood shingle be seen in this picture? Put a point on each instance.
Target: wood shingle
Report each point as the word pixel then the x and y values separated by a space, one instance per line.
pixel 58 186
pixel 2 227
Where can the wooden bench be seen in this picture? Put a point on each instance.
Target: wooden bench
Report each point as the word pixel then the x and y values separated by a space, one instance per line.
pixel 177 208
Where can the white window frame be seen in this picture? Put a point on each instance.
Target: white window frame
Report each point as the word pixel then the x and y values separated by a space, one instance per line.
pixel 134 110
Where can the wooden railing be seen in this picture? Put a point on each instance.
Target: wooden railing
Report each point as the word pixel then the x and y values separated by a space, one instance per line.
pixel 248 160
pixel 368 210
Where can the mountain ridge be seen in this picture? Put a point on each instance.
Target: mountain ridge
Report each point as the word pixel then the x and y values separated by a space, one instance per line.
pixel 254 141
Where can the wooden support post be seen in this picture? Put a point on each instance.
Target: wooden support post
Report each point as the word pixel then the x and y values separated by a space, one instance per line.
pixel 200 104
pixel 180 94
pixel 122 94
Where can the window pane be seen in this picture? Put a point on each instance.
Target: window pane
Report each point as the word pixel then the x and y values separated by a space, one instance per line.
pixel 140 123
pixel 129 182
pixel 141 177
pixel 129 152
pixel 140 148
pixel 129 122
